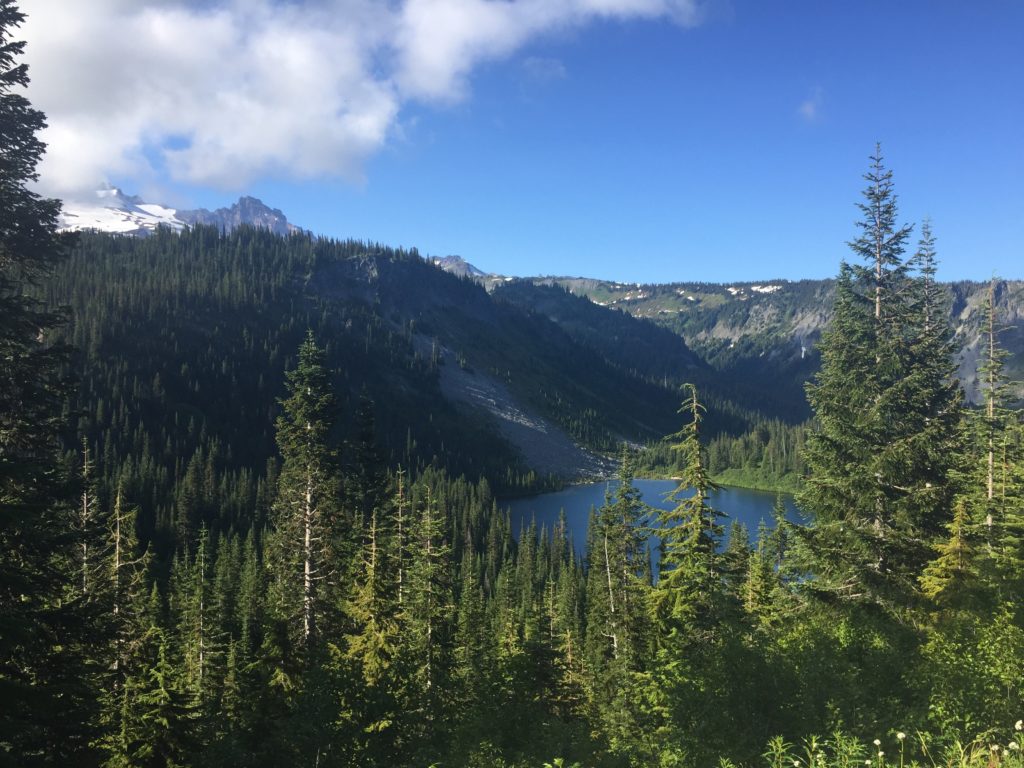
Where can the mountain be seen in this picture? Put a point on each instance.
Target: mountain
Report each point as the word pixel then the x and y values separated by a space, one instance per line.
pixel 248 210
pixel 458 266
pixel 113 211
pixel 751 345
pixel 200 325
pixel 760 336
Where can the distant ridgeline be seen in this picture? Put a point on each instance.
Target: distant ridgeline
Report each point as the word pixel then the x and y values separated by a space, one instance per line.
pixel 766 332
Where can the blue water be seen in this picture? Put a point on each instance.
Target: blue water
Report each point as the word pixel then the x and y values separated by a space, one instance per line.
pixel 741 504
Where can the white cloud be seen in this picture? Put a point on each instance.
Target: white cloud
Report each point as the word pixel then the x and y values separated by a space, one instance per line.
pixel 222 92
pixel 810 108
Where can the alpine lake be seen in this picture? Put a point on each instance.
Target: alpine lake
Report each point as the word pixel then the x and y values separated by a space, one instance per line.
pixel 743 505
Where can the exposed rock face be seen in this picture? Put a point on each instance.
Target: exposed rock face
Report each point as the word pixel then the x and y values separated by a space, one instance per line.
pixel 248 210
pixel 113 211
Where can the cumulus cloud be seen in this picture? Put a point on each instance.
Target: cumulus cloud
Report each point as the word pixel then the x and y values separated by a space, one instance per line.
pixel 810 108
pixel 222 92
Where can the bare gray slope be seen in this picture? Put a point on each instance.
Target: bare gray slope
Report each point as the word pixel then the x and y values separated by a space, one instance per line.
pixel 545 446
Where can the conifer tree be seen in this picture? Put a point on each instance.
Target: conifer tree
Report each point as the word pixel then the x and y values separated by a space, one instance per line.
pixel 429 609
pixel 949 579
pixel 687 595
pixel 46 701
pixel 372 604
pixel 881 463
pixel 761 579
pixel 616 587
pixel 995 419
pixel 992 485
pixel 87 526
pixel 121 588
pixel 158 716
pixel 306 517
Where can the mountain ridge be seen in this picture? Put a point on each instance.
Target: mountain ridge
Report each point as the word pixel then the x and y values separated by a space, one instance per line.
pixel 113 211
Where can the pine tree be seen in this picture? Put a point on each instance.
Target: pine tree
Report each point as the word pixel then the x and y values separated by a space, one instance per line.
pixel 372 604
pixel 618 579
pixel 993 487
pixel 46 701
pixel 197 636
pixel 122 591
pixel 306 517
pixel 430 606
pixel 157 716
pixel 761 579
pixel 949 579
pixel 996 417
pixel 880 482
pixel 688 592
pixel 87 526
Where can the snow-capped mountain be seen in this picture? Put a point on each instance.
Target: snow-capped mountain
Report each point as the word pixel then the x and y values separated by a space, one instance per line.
pixel 114 211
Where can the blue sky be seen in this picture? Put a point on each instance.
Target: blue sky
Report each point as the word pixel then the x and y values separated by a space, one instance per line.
pixel 727 145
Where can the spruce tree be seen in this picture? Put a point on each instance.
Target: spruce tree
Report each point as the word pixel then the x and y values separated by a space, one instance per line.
pixel 880 465
pixel 306 518
pixel 950 578
pixel 688 593
pixel 45 695
pixel 372 602
pixel 618 580
pixel 428 612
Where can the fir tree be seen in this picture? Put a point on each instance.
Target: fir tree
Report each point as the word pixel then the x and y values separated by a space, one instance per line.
pixel 689 582
pixel 47 704
pixel 427 615
pixel 618 578
pixel 306 517
pixel 372 604
pixel 949 578
pixel 880 481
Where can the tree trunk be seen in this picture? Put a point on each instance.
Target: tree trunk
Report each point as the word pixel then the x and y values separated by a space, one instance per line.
pixel 307 564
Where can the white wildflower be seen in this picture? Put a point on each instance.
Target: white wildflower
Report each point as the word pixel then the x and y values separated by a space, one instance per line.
pixel 867 762
pixel 877 742
pixel 1019 725
pixel 994 747
pixel 796 764
pixel 1012 746
pixel 881 753
pixel 901 735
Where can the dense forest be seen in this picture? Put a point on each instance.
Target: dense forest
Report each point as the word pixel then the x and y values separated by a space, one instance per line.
pixel 242 526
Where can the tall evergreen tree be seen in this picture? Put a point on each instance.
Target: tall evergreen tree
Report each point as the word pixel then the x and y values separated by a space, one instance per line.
pixel 307 529
pixel 618 580
pixel 429 609
pixel 45 706
pixel 881 463
pixel 372 603
pixel 689 583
